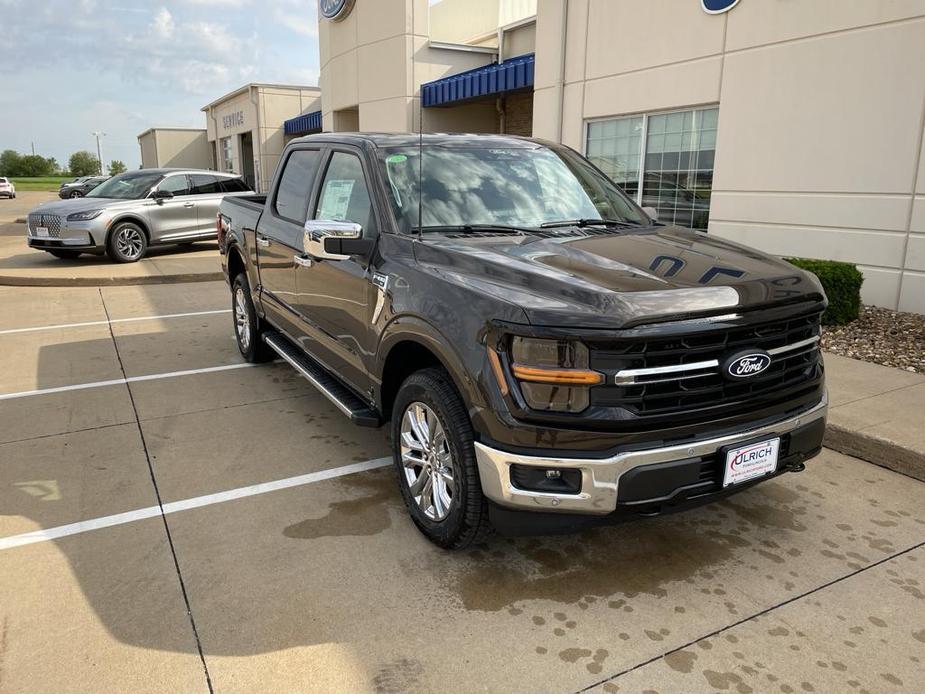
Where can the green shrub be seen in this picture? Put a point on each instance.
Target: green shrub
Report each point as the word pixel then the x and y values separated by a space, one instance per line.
pixel 842 284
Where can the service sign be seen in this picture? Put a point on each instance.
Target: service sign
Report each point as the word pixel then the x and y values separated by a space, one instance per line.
pixel 335 10
pixel 718 6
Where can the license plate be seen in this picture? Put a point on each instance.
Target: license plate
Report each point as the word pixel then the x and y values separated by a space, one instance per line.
pixel 41 232
pixel 751 461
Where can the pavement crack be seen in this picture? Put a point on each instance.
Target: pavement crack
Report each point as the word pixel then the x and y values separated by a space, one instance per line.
pixel 160 503
pixel 767 610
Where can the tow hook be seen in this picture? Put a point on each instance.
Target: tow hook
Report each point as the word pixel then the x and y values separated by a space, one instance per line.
pixel 796 467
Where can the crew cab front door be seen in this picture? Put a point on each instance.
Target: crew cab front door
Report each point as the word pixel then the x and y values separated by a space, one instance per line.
pixel 333 295
pixel 279 234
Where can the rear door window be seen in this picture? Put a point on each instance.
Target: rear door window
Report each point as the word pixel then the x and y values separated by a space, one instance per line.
pixel 233 185
pixel 295 185
pixel 204 184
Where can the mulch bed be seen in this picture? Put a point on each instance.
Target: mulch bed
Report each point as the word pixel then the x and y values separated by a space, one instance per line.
pixel 880 336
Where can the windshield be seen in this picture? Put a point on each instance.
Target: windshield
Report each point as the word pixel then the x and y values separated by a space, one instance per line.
pixel 517 186
pixel 127 186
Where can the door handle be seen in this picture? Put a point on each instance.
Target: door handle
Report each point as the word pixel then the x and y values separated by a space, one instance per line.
pixel 302 260
pixel 189 204
pixel 263 242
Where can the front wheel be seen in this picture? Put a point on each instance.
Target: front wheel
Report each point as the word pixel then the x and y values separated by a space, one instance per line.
pixel 74 195
pixel 248 328
pixel 127 243
pixel 433 453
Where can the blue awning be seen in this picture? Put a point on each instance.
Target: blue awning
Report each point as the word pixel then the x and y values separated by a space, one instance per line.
pixel 515 73
pixel 304 124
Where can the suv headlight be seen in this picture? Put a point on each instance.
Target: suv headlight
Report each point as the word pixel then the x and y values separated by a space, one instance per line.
pixel 84 216
pixel 553 375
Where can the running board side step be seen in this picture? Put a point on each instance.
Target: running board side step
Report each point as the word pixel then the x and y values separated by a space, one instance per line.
pixel 342 397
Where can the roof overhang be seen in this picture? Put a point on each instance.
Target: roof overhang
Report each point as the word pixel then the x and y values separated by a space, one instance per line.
pixel 303 124
pixel 496 79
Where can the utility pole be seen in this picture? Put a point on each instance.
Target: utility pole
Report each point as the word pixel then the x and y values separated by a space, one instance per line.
pixel 99 150
pixel 33 149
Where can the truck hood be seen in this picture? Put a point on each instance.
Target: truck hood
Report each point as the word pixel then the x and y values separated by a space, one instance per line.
pixel 66 207
pixel 595 278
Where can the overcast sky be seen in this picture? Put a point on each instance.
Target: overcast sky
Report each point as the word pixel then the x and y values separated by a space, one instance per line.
pixel 70 67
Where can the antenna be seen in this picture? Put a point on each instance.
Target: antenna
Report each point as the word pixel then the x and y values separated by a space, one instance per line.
pixel 420 133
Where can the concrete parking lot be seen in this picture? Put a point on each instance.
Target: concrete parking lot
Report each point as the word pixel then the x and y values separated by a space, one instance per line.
pixel 172 520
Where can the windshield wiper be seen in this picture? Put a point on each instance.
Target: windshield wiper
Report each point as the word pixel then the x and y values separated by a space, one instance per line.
pixel 584 222
pixel 468 228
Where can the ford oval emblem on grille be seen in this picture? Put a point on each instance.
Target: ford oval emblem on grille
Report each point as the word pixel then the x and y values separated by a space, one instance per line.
pixel 746 364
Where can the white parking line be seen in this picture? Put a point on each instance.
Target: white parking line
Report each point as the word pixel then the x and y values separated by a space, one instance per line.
pixel 61 326
pixel 120 381
pixel 186 504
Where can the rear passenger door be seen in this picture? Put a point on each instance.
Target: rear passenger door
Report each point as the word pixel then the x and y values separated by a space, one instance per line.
pixel 206 190
pixel 279 234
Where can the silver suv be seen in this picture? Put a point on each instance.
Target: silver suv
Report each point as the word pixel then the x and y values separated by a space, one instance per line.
pixel 132 211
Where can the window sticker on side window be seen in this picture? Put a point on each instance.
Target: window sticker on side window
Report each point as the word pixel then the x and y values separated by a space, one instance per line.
pixel 335 199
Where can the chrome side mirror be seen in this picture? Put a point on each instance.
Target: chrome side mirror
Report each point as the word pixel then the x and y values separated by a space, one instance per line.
pixel 321 234
pixel 652 212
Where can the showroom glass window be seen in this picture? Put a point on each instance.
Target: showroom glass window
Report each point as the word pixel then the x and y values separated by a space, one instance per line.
pixel 662 160
pixel 227 162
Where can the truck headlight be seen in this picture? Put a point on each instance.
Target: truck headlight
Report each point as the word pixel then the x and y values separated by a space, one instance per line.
pixel 553 374
pixel 84 216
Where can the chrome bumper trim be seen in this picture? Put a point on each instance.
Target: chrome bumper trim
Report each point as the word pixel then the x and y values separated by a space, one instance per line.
pixel 600 477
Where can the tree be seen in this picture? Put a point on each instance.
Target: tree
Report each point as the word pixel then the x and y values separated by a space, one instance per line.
pixel 117 167
pixel 84 164
pixel 34 165
pixel 9 163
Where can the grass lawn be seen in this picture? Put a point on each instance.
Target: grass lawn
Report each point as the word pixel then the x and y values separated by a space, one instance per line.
pixel 46 183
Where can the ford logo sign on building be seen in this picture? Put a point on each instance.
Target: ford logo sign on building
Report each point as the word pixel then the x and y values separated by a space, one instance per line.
pixel 718 6
pixel 744 365
pixel 335 10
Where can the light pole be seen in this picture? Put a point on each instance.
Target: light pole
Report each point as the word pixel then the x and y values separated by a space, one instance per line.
pixel 99 150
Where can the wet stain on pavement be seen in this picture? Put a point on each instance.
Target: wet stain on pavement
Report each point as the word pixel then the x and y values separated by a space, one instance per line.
pixel 681 661
pixel 365 511
pixel 398 676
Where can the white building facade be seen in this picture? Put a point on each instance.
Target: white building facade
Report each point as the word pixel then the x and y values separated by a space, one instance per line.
pixel 794 127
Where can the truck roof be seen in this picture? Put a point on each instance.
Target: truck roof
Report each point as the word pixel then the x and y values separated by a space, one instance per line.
pixel 432 139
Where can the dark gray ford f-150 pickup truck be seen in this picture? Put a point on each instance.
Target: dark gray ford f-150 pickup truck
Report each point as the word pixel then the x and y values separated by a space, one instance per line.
pixel 546 353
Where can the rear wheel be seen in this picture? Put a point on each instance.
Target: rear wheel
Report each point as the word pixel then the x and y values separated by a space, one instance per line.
pixel 127 243
pixel 74 194
pixel 433 453
pixel 64 255
pixel 248 328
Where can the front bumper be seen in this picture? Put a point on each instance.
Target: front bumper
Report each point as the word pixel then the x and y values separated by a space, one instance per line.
pixel 83 236
pixel 601 479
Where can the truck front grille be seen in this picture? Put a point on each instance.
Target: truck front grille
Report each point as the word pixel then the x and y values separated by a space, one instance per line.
pixel 52 222
pixel 662 376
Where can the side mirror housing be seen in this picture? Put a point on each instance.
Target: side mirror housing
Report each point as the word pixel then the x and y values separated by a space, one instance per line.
pixel 162 195
pixel 651 212
pixel 333 240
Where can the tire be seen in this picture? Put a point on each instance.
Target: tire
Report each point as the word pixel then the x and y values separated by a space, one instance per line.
pixel 127 243
pixel 74 195
pixel 248 328
pixel 65 255
pixel 429 394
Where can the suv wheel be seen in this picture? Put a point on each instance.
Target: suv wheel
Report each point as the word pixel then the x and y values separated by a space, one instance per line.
pixel 433 453
pixel 127 243
pixel 248 328
pixel 74 194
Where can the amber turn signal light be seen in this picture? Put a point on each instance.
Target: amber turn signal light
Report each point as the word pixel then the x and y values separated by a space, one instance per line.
pixel 567 377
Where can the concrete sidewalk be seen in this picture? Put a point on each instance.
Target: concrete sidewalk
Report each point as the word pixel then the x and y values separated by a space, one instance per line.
pixel 877 413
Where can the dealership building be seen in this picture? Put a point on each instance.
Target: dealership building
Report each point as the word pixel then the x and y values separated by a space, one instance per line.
pixel 794 127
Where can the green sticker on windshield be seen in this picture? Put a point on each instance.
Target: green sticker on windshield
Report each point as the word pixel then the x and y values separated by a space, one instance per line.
pixel 396 159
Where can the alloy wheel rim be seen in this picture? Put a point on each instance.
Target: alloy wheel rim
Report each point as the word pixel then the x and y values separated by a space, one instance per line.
pixel 129 242
pixel 427 462
pixel 240 319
